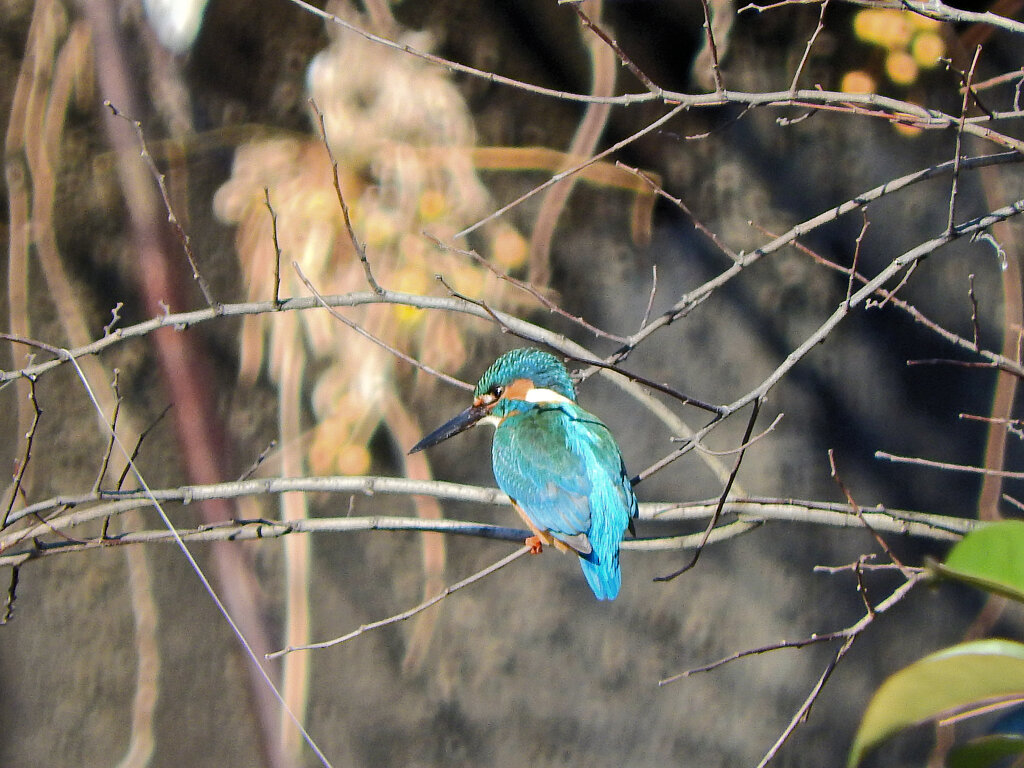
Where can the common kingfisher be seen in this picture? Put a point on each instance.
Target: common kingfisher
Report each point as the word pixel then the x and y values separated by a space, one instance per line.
pixel 558 464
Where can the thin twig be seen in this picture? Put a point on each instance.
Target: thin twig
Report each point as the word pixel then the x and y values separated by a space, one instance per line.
pixel 1014 426
pixel 277 247
pixel 12 595
pixel 138 443
pixel 959 140
pixel 945 465
pixel 113 431
pixel 801 714
pixel 993 360
pixel 862 590
pixel 856 254
pixel 847 632
pixel 115 318
pixel 763 433
pixel 949 361
pixel 860 514
pixel 412 611
pixel 1015 502
pixel 261 530
pixel 650 383
pixel 172 217
pixel 476 303
pixel 359 247
pixel 26 455
pixel 375 339
pixel 526 287
pixel 718 128
pixel 721 500
pixel 454 66
pixel 992 82
pixel 897 265
pixel 614 45
pixel 974 310
pixel 678 203
pixel 862 563
pixel 258 462
pixel 653 126
pixel 650 297
pixel 891 293
pixel 688 300
pixel 716 73
pixel 810 43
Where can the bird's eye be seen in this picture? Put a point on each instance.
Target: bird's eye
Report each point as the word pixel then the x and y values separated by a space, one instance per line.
pixel 491 396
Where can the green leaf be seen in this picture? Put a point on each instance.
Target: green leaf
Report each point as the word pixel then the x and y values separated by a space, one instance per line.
pixel 990 558
pixel 944 683
pixel 984 751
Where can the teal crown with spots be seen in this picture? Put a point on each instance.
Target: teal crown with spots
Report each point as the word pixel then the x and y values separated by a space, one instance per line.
pixel 542 368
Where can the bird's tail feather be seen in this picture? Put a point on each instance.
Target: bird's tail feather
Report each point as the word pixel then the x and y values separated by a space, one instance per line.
pixel 602 574
pixel 610 514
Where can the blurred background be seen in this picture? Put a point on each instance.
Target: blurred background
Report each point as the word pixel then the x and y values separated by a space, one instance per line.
pixel 117 655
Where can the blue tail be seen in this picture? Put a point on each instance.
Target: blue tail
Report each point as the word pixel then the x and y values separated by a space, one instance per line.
pixel 602 572
pixel 612 506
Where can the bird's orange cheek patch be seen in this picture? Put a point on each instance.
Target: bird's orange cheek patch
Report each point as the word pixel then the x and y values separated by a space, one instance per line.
pixel 517 389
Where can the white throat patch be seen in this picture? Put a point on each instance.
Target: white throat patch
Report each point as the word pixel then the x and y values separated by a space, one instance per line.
pixel 542 395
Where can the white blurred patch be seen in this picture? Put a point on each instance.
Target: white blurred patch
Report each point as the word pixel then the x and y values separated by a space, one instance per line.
pixel 544 395
pixel 176 22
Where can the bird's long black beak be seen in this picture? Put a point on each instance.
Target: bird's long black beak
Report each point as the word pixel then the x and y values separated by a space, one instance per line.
pixel 460 423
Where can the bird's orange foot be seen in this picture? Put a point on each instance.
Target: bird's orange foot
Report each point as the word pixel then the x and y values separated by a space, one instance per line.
pixel 536 545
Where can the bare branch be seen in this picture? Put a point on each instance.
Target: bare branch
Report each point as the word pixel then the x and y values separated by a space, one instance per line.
pixel 968 93
pixel 716 72
pixel 801 714
pixel 277 247
pixel 523 286
pixel 688 300
pixel 856 255
pixel 454 66
pixel 113 431
pixel 946 465
pixel 650 297
pixel 412 611
pixel 358 246
pixel 12 595
pixel 810 44
pixel 678 203
pixel 614 45
pixel 759 436
pixel 26 455
pixel 846 633
pixel 675 111
pixel 76 510
pixel 974 311
pixel 375 339
pixel 172 217
pixel 721 499
pixel 857 510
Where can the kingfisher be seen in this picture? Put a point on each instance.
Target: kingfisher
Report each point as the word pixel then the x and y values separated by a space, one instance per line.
pixel 559 464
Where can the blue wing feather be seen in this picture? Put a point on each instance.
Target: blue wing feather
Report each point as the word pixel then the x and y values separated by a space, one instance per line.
pixel 563 468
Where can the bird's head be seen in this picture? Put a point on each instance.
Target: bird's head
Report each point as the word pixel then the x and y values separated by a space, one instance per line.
pixel 518 380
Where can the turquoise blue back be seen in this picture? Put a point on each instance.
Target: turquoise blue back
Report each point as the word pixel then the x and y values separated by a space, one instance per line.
pixel 564 469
